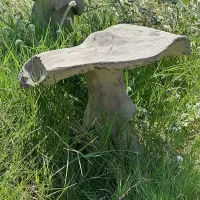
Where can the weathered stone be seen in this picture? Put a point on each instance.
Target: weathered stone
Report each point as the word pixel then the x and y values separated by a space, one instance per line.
pixel 44 10
pixel 102 57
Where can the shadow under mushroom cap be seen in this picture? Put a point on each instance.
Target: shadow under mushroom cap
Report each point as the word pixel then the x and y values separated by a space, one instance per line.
pixel 119 46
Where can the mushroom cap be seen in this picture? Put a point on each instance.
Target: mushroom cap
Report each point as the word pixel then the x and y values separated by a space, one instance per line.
pixel 117 47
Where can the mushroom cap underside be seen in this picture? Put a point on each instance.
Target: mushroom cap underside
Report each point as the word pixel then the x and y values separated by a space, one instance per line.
pixel 117 47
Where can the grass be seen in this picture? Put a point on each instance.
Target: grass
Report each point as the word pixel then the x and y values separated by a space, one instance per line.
pixel 44 152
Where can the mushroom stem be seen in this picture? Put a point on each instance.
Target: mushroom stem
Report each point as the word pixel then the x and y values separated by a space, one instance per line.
pixel 108 98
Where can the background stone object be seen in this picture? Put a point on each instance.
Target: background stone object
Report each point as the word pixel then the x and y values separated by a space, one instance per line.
pixel 44 10
pixel 102 57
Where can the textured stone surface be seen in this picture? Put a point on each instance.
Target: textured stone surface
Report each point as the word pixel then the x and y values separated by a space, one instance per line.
pixel 58 4
pixel 102 57
pixel 43 10
pixel 107 94
pixel 118 47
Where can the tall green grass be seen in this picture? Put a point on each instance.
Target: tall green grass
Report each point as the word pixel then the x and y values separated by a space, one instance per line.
pixel 44 151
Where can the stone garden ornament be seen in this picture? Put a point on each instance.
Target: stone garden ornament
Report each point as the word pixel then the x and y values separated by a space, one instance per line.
pixel 56 10
pixel 102 57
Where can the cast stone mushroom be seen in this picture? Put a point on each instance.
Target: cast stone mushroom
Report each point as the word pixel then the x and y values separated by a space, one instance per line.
pixel 102 57
pixel 43 10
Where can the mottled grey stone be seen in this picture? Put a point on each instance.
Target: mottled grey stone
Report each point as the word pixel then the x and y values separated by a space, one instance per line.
pixel 43 10
pixel 118 47
pixel 102 57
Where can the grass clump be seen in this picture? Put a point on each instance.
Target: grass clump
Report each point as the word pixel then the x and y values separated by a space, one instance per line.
pixel 44 152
